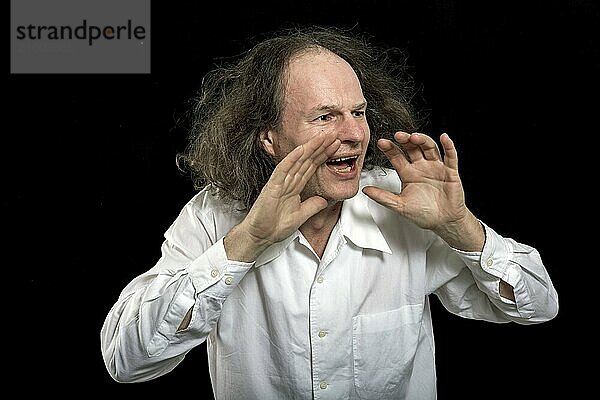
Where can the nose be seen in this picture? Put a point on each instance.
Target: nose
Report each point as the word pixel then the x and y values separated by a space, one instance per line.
pixel 352 129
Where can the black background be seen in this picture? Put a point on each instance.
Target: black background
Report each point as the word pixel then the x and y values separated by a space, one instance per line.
pixel 91 182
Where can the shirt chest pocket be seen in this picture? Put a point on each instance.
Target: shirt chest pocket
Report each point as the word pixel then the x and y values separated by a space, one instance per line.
pixel 384 347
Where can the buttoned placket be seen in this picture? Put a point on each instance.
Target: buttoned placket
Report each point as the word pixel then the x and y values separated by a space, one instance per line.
pixel 318 320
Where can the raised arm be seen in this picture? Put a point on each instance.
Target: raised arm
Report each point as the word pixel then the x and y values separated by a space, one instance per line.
pixel 165 312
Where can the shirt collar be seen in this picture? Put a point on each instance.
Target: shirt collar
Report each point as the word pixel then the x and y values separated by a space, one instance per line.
pixel 358 226
pixel 274 250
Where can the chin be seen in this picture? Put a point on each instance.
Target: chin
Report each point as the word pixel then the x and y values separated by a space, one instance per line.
pixel 340 192
pixel 331 187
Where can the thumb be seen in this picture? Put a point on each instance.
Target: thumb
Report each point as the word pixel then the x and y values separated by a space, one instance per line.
pixel 385 198
pixel 310 207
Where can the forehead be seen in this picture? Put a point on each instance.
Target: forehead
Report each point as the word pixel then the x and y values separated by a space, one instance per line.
pixel 318 74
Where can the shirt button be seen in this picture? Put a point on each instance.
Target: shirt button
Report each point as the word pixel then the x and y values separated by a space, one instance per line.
pixel 322 333
pixel 228 280
pixel 320 280
pixel 489 262
pixel 323 385
pixel 214 273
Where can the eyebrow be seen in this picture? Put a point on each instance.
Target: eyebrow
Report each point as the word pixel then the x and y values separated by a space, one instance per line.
pixel 330 107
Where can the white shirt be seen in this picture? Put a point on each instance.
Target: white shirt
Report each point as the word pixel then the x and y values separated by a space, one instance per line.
pixel 354 324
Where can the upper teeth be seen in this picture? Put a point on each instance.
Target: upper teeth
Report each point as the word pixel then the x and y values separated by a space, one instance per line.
pixel 342 159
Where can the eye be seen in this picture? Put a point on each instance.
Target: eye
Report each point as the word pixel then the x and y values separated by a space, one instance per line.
pixel 324 117
pixel 358 113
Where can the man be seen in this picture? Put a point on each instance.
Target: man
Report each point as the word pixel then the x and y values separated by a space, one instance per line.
pixel 310 277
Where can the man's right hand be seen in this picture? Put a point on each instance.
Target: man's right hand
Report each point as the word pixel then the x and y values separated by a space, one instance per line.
pixel 279 211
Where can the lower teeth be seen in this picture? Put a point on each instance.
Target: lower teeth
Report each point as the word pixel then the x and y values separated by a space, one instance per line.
pixel 347 169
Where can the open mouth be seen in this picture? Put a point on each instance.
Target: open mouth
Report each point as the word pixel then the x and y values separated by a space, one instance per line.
pixel 342 164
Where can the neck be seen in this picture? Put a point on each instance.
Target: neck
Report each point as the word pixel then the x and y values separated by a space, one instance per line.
pixel 317 228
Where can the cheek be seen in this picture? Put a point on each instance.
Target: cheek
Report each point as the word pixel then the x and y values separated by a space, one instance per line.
pixel 288 141
pixel 282 146
pixel 279 152
pixel 367 136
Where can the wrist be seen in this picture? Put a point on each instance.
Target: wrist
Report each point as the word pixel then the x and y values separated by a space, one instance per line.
pixel 466 234
pixel 241 245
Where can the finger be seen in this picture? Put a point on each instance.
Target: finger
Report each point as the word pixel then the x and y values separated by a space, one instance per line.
pixel 294 184
pixel 426 146
pixel 307 169
pixel 412 151
pixel 450 154
pixel 313 151
pixel 316 150
pixel 384 197
pixel 284 169
pixel 304 169
pixel 326 150
pixel 311 206
pixel 393 153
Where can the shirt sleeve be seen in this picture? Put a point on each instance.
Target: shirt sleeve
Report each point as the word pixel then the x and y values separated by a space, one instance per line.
pixel 468 283
pixel 140 338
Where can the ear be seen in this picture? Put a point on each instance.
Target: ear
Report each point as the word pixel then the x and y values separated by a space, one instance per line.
pixel 268 142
